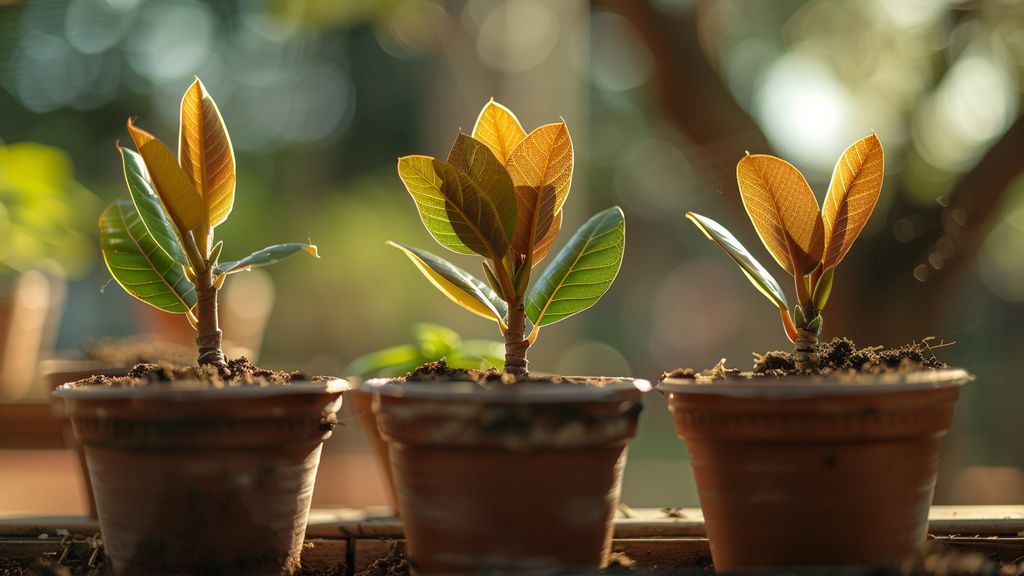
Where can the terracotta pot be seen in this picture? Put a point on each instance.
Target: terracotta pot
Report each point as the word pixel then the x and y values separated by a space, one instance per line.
pixel 361 406
pixel 193 480
pixel 517 479
pixel 817 471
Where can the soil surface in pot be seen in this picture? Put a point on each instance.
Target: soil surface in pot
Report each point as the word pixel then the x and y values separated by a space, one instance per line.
pixel 840 355
pixel 439 371
pixel 238 372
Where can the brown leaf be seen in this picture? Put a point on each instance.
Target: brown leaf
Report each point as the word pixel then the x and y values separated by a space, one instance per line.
pixel 541 170
pixel 499 129
pixel 205 152
pixel 783 210
pixel 543 246
pixel 174 187
pixel 852 195
pixel 489 177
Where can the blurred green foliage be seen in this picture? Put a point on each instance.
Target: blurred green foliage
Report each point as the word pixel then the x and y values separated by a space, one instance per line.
pixel 46 216
pixel 432 343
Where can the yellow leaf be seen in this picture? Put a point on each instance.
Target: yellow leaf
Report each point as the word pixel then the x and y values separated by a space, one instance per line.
pixel 312 251
pixel 541 170
pixel 205 152
pixel 783 210
pixel 499 129
pixel 543 246
pixel 852 195
pixel 174 187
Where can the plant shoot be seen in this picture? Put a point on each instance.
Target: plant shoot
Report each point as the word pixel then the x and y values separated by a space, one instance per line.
pixel 159 246
pixel 806 242
pixel 499 195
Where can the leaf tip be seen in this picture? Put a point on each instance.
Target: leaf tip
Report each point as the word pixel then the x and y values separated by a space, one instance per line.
pixel 312 251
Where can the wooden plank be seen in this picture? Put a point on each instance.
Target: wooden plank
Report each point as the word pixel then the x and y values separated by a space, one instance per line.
pixel 665 553
pixel 329 556
pixel 33 526
pixel 30 426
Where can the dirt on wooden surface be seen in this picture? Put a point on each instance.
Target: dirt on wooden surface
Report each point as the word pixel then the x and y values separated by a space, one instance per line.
pixel 238 372
pixel 840 355
pixel 394 564
pixel 439 371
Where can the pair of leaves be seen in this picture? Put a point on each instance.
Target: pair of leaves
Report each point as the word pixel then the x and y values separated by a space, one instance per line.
pixel 785 213
pixel 197 188
pixel 575 280
pixel 146 242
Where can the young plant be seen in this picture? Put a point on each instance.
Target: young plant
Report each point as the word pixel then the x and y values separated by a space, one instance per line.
pixel 433 342
pixel 159 245
pixel 500 196
pixel 806 242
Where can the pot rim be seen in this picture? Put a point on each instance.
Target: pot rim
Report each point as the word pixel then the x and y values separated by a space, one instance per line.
pixel 522 393
pixel 196 391
pixel 816 386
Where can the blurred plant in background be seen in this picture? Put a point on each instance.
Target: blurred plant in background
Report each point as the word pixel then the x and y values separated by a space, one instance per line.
pixel 433 342
pixel 45 215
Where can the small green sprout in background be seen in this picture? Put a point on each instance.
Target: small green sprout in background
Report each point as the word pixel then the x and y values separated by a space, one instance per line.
pixel 433 342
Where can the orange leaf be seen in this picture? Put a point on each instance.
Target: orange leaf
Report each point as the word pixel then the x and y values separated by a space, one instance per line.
pixel 174 187
pixel 784 211
pixel 205 152
pixel 852 195
pixel 499 129
pixel 543 246
pixel 541 170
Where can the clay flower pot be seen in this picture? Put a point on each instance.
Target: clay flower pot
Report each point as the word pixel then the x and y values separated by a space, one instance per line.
pixel 196 480
pixel 361 405
pixel 810 470
pixel 509 479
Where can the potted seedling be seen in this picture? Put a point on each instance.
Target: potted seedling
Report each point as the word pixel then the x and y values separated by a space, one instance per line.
pixel 508 471
pixel 206 469
pixel 826 455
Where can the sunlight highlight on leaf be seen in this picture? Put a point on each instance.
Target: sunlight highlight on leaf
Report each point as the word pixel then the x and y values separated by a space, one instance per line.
pixel 541 169
pixel 174 187
pixel 852 195
pixel 139 265
pixel 149 207
pixel 752 269
pixel 499 129
pixel 205 152
pixel 458 285
pixel 783 210
pixel 455 212
pixel 582 272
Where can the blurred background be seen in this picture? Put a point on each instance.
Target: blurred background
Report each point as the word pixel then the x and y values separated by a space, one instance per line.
pixel 662 97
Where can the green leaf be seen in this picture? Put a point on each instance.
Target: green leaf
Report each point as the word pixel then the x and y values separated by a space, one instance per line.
pixel 266 257
pixel 150 208
pixel 823 289
pixel 582 271
pixel 751 268
pixel 392 361
pixel 453 209
pixel 489 177
pixel 435 340
pixel 139 265
pixel 458 285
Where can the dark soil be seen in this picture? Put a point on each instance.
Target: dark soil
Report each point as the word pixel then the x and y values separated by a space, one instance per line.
pixel 840 355
pixel 238 372
pixel 439 371
pixel 137 350
pixel 393 564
